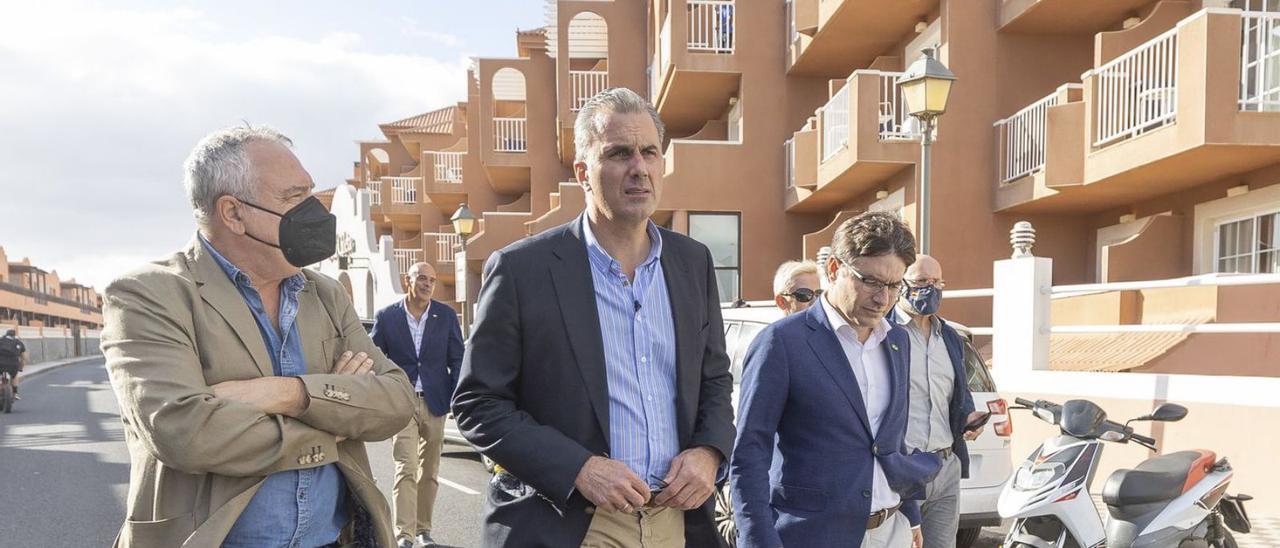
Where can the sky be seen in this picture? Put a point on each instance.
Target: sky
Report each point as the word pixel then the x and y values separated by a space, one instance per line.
pixel 100 103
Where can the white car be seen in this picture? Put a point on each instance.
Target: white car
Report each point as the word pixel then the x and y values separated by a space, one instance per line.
pixel 989 456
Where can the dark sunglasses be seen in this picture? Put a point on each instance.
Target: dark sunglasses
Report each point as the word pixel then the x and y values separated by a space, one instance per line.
pixel 803 294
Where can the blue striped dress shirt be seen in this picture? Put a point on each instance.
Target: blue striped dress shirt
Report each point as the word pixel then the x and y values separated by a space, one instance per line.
pixel 638 332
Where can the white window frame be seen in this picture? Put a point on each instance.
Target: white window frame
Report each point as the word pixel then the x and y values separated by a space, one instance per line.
pixel 1209 215
pixel 1253 252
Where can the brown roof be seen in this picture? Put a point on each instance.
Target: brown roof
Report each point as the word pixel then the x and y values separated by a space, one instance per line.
pixel 436 121
pixel 1115 351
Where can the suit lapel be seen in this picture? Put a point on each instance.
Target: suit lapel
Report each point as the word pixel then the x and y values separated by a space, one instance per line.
pixel 311 331
pixel 824 343
pixel 680 292
pixel 575 293
pixel 897 369
pixel 217 290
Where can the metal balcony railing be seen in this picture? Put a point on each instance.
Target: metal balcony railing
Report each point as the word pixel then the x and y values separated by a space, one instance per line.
pixel 711 25
pixel 585 84
pixel 406 258
pixel 444 242
pixel 404 189
pixel 449 166
pixel 374 188
pixel 895 123
pixel 509 135
pixel 1138 91
pixel 835 123
pixel 1021 139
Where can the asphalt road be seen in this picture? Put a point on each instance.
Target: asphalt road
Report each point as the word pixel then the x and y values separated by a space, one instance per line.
pixel 66 468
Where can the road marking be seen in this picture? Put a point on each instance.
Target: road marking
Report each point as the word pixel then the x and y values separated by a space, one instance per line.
pixel 459 487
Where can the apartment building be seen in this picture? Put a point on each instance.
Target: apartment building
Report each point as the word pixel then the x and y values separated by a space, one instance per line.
pixel 1140 137
pixel 33 297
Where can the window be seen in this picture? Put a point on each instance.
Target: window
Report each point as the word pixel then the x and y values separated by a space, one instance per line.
pixel 721 233
pixel 1249 245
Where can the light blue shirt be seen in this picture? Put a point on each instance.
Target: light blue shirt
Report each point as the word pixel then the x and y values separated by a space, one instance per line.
pixel 297 508
pixel 638 332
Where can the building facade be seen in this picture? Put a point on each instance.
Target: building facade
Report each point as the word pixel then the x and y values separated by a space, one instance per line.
pixel 1140 137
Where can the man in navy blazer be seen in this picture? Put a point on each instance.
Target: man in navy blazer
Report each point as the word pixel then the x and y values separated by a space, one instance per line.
pixel 820 458
pixel 423 337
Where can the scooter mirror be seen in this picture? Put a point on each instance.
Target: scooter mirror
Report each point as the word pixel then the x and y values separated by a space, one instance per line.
pixel 1168 412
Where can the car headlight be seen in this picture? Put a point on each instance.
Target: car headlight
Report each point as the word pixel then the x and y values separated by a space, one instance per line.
pixel 1029 478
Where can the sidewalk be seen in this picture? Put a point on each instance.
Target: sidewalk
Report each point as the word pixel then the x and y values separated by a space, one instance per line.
pixel 44 367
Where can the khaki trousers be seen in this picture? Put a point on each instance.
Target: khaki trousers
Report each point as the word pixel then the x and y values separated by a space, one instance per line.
pixel 416 451
pixel 645 528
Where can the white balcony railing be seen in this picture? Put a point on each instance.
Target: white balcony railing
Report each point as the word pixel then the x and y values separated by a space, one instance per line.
pixel 895 123
pixel 374 188
pixel 444 242
pixel 585 84
pixel 509 135
pixel 711 26
pixel 835 123
pixel 404 190
pixel 449 166
pixel 1260 62
pixel 1022 138
pixel 406 258
pixel 789 156
pixel 1138 91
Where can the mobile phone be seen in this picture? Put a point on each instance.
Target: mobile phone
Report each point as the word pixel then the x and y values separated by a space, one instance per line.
pixel 986 416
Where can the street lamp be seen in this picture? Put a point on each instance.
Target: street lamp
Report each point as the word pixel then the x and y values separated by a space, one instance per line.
pixel 464 224
pixel 925 87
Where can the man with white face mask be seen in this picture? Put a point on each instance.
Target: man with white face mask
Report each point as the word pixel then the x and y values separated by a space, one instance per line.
pixel 941 408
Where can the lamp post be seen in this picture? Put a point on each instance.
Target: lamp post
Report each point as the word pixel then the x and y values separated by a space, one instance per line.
pixel 464 224
pixel 925 87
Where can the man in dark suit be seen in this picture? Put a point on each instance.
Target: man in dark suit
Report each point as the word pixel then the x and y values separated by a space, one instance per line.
pixel 820 458
pixel 596 374
pixel 423 337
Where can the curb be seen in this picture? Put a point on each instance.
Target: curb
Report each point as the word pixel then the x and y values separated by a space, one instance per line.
pixel 50 366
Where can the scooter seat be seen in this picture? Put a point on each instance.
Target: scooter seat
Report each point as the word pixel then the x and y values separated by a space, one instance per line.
pixel 1157 479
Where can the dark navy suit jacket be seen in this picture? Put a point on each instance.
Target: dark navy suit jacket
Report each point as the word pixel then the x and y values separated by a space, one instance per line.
pixel 801 469
pixel 436 365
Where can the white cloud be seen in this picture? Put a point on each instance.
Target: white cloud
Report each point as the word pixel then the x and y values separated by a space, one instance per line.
pixel 410 28
pixel 100 105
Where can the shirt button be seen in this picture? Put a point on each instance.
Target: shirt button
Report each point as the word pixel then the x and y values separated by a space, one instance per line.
pixel 644 359
pixel 875 449
pixel 866 493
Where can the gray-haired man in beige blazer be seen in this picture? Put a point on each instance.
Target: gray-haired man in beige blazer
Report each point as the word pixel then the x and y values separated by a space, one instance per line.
pixel 247 386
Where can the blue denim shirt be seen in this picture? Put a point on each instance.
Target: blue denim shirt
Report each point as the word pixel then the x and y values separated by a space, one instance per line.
pixel 298 508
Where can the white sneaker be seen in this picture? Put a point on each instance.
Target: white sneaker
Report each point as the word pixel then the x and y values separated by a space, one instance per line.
pixel 424 540
pixel 403 542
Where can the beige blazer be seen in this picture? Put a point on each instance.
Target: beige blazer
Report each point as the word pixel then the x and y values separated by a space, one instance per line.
pixel 176 327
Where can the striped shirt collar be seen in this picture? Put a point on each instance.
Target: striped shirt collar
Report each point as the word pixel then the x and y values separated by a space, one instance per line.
pixel 602 261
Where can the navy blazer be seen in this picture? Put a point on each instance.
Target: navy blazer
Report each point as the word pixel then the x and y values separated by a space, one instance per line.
pixel 802 468
pixel 437 364
pixel 961 399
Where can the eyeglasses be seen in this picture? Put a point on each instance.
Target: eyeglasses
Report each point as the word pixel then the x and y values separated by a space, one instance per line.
pixel 873 284
pixel 803 294
pixel 936 282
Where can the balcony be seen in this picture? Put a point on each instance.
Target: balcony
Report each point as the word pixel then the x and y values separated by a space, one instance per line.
pixel 566 203
pixel 1195 102
pixel 695 80
pixel 374 189
pixel 404 190
pixel 1064 16
pixel 585 84
pixel 443 184
pixel 850 34
pixel 499 228
pixel 863 136
pixel 516 100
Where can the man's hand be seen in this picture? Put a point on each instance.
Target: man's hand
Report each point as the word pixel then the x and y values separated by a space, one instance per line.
pixel 973 434
pixel 611 486
pixel 348 364
pixel 271 395
pixel 917 537
pixel 691 479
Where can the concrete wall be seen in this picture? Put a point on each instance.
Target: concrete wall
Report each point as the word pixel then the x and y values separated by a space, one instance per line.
pixel 46 344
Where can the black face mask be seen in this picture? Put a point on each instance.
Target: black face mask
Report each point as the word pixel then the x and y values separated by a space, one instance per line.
pixel 308 232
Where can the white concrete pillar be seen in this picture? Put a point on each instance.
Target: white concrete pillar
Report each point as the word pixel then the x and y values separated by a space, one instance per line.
pixel 1020 308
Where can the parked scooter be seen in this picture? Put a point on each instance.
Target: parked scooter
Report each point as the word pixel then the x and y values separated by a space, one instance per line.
pixel 1175 500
